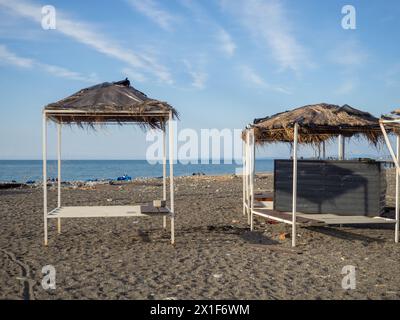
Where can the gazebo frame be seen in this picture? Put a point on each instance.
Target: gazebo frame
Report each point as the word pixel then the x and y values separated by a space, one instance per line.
pixel 62 212
pixel 296 218
pixel 396 159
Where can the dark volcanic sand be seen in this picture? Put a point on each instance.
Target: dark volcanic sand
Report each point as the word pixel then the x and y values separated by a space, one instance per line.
pixel 215 257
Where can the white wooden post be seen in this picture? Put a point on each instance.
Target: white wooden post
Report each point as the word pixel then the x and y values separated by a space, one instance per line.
pixel 395 158
pixel 294 199
pixel 252 173
pixel 341 145
pixel 385 135
pixel 171 175
pixel 44 155
pixel 164 162
pixel 396 235
pixel 248 174
pixel 244 176
pixel 319 151
pixel 59 173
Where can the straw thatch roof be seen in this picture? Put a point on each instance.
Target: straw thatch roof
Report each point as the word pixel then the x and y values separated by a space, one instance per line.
pixel 392 121
pixel 394 115
pixel 110 102
pixel 396 112
pixel 317 123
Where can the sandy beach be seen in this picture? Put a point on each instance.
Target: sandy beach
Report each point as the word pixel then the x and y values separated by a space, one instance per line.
pixel 215 256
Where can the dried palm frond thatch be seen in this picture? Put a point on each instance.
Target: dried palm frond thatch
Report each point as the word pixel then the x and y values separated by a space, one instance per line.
pixel 317 123
pixel 110 102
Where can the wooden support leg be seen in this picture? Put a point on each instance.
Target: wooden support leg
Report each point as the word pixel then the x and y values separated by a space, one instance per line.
pixel 44 150
pixel 172 229
pixel 171 176
pixel 294 198
pixel 59 173
pixel 164 175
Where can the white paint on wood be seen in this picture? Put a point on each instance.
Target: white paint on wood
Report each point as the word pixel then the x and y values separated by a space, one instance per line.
pixel 252 173
pixel 171 175
pixel 294 196
pixel 396 233
pixel 164 159
pixel 102 212
pixel 44 155
pixel 59 173
pixel 341 146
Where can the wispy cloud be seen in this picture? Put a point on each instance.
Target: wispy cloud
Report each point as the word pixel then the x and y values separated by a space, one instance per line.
pixel 392 76
pixel 252 77
pixel 199 78
pixel 225 42
pixel 268 23
pixel 154 12
pixel 227 45
pixel 86 34
pixel 134 75
pixel 348 54
pixel 347 86
pixel 350 57
pixel 10 58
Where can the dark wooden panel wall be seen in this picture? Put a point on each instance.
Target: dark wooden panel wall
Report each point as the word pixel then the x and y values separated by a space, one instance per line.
pixel 331 186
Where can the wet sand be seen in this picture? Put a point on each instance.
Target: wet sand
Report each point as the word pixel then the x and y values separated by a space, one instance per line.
pixel 215 256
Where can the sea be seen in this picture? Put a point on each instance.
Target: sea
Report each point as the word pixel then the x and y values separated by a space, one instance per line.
pixel 23 171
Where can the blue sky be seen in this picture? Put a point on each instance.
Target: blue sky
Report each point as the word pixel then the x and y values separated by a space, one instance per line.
pixel 221 63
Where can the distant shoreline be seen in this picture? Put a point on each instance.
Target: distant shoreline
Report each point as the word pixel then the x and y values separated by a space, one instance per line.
pixel 107 170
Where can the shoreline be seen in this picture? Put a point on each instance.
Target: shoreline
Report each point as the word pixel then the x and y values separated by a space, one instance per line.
pixel 66 183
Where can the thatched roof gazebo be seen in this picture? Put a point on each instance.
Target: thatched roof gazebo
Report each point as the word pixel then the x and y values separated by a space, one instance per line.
pixel 310 124
pixel 110 102
pixel 104 104
pixel 317 123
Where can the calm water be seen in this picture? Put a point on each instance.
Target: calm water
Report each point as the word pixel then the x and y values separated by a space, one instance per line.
pixel 24 170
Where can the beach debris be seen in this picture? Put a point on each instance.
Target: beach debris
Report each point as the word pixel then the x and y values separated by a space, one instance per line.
pixel 235 221
pixel 283 235
pixel 217 275
pixel 125 177
pixel 198 174
pixel 109 200
pixel 11 185
pixel 159 203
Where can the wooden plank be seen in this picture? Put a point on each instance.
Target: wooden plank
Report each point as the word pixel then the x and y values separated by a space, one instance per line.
pixel 304 219
pixel 107 211
pixel 287 217
pixel 149 209
pixel 336 219
pixel 264 196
